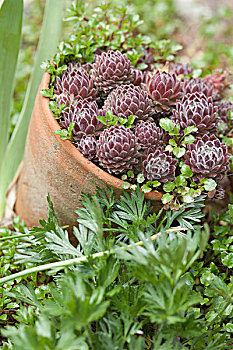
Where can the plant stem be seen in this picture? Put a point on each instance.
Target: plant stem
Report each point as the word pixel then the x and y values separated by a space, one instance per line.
pixel 69 262
pixel 17 236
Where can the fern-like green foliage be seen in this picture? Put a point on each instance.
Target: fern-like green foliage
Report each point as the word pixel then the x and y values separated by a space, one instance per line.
pixel 155 295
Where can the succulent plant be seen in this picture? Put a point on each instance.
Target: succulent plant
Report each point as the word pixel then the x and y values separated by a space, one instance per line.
pixel 196 110
pixel 223 107
pixel 72 68
pixel 63 99
pixel 139 76
pixel 198 85
pixel 220 81
pixel 75 83
pixel 84 116
pixel 149 135
pixel 159 165
pixel 87 146
pixel 207 157
pixel 180 69
pixel 110 69
pixel 164 90
pixel 117 149
pixel 129 100
pixel 224 124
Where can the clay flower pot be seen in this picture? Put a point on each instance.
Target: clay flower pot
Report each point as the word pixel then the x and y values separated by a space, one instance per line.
pixel 55 166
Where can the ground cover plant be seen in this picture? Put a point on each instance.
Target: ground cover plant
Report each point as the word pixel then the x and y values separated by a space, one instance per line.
pixel 131 282
pixel 136 117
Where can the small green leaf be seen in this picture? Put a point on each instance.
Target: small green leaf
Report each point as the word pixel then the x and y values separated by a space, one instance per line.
pixel 228 327
pixel 188 198
pixel 167 198
pixel 230 114
pixel 56 111
pixel 197 192
pixel 172 142
pixel 179 152
pixel 145 188
pixel 131 119
pixel 170 57
pixel 180 181
pixel 209 184
pixel 140 178
pixel 206 278
pixel 124 177
pixel 189 139
pixel 61 69
pixel 109 115
pixel 114 121
pixel 155 183
pixel 186 171
pixel 47 92
pixel 130 173
pixel 230 208
pixel 3 317
pixel 122 121
pixel 71 127
pixel 63 133
pixel 227 259
pixel 101 119
pixel 175 131
pixel 142 66
pixel 169 186
pixel 190 129
pixel 125 185
pixel 166 124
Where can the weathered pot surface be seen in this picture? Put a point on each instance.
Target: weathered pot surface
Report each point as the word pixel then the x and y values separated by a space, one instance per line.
pixel 55 166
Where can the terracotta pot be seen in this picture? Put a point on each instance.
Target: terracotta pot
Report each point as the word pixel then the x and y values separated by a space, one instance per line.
pixel 55 166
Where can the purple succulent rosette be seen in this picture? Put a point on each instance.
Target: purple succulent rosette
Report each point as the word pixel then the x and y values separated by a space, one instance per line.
pixel 159 165
pixel 225 124
pixel 180 69
pixel 117 149
pixel 149 135
pixel 87 146
pixel 207 157
pixel 110 69
pixel 198 85
pixel 223 107
pixel 139 76
pixel 196 110
pixel 75 84
pixel 84 116
pixel 164 90
pixel 128 100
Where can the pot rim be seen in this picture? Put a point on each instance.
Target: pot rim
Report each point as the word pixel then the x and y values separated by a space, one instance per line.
pixel 110 180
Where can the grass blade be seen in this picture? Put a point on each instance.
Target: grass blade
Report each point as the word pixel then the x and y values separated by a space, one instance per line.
pixel 49 38
pixel 11 14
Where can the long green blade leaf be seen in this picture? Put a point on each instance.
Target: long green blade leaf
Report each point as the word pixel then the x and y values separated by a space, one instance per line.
pixel 49 38
pixel 11 14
